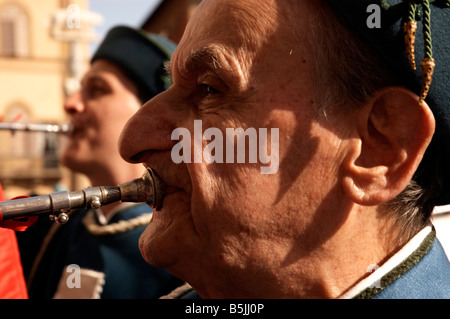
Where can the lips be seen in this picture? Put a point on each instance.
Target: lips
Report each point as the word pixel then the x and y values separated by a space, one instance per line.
pixel 77 128
pixel 169 185
pixel 79 123
pixel 173 176
pixel 160 190
pixel 75 131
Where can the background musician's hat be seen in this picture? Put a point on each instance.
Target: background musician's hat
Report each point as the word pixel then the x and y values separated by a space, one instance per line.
pixel 140 55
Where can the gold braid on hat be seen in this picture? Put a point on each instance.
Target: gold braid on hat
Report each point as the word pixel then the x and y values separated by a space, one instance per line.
pixel 409 28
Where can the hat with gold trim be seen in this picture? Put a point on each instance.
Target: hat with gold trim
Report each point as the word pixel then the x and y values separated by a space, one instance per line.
pixel 412 37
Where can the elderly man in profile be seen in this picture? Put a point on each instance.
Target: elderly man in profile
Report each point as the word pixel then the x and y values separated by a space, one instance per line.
pixel 361 154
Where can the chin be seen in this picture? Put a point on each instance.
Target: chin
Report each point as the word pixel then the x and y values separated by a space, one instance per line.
pixel 168 239
pixel 68 160
pixel 76 164
pixel 152 252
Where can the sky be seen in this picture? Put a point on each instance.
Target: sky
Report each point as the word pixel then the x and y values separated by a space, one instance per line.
pixel 129 12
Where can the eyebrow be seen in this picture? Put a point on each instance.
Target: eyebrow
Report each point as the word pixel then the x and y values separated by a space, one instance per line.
pixel 206 55
pixel 168 68
pixel 89 77
pixel 214 58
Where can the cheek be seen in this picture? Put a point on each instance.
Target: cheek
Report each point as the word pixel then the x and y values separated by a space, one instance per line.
pixel 110 121
pixel 118 107
pixel 228 199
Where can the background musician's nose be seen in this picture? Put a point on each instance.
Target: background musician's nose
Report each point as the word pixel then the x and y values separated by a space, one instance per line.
pixel 74 104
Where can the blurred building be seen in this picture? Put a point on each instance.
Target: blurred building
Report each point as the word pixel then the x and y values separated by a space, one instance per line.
pixel 169 19
pixel 44 50
pixel 40 59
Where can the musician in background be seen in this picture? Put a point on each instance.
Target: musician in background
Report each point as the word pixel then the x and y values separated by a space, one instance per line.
pixel 96 255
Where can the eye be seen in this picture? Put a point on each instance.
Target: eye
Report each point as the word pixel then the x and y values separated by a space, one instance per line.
pixel 95 92
pixel 207 90
pixel 95 88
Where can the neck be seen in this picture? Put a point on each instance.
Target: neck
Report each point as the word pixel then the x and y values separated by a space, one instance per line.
pixel 327 270
pixel 363 242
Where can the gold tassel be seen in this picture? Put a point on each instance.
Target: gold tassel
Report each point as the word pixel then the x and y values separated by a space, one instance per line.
pixel 427 75
pixel 409 29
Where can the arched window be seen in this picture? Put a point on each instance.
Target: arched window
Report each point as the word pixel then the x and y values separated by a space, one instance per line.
pixel 14 34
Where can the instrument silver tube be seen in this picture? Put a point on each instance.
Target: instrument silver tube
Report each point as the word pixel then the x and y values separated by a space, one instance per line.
pixel 149 189
pixel 30 127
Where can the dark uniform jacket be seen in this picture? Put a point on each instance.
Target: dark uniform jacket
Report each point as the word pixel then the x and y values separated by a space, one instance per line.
pixel 85 259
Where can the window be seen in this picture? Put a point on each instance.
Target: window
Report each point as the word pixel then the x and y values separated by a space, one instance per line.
pixel 13 31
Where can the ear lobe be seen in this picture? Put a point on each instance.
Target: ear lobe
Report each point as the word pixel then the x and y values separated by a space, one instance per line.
pixel 393 132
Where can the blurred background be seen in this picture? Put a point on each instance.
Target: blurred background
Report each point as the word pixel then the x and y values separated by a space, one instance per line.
pixel 45 48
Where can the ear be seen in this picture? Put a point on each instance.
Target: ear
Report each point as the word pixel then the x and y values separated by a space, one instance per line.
pixel 393 132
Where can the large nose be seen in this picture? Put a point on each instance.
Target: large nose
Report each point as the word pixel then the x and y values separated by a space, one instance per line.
pixel 74 104
pixel 149 129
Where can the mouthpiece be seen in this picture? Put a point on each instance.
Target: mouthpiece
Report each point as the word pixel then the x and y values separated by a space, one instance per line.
pixel 149 189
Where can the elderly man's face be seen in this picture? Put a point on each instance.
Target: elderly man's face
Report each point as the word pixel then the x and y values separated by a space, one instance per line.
pixel 237 66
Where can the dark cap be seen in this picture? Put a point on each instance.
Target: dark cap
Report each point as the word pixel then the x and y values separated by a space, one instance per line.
pixel 140 55
pixel 432 40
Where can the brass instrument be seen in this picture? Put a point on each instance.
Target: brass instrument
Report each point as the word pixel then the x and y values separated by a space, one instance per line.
pixel 149 189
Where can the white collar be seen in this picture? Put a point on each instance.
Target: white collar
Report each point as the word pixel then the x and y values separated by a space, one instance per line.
pixel 374 279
